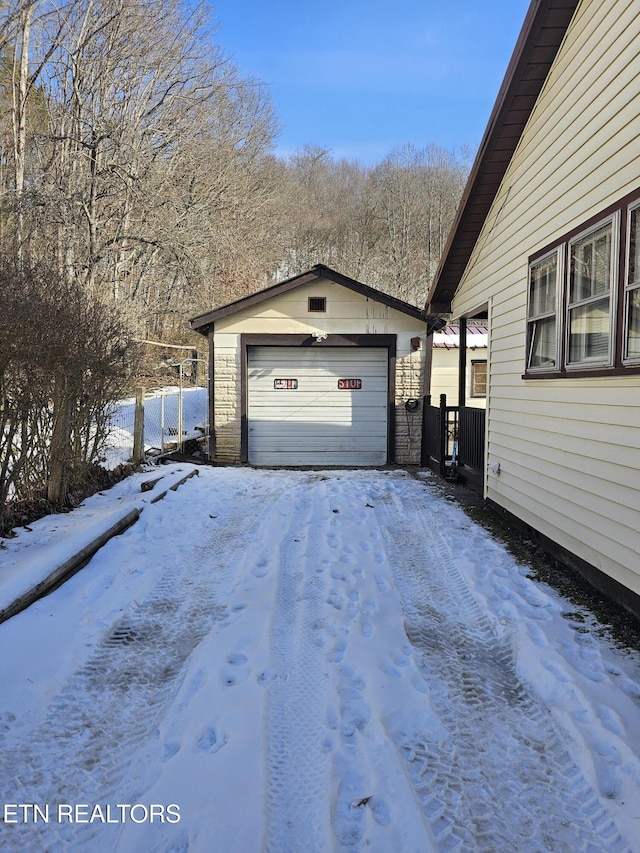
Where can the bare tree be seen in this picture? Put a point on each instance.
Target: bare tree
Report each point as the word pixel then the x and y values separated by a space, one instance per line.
pixel 136 181
pixel 154 181
pixel 385 225
pixel 416 192
pixel 153 166
pixel 330 218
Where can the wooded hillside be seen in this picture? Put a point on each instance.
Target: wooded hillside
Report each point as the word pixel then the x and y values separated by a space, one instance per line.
pixel 139 186
pixel 138 161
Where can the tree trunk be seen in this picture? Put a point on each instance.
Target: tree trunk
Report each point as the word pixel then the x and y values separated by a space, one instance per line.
pixel 58 483
pixel 19 117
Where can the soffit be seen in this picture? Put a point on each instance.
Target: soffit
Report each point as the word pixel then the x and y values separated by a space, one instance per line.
pixel 543 31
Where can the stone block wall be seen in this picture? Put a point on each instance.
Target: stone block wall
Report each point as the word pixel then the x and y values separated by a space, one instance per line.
pixel 227 401
pixel 409 385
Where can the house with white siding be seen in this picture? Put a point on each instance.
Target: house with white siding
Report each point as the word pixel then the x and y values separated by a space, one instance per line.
pixel 545 249
pixel 319 369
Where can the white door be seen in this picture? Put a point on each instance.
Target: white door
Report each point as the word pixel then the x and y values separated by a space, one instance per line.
pixel 317 406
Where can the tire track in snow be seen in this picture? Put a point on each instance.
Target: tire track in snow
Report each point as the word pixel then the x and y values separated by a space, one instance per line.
pixel 111 705
pixel 298 774
pixel 501 777
pixel 352 773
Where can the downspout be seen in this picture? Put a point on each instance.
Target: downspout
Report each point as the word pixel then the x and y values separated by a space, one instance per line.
pixel 434 324
pixel 489 401
pixel 428 361
pixel 462 364
pixel 212 398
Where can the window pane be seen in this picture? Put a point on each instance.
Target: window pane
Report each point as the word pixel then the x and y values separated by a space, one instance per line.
pixel 591 265
pixel 634 247
pixel 542 346
pixel 633 331
pixel 589 332
pixel 542 289
pixel 478 378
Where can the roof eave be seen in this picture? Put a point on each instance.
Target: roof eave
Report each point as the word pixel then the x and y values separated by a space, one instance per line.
pixel 203 323
pixel 542 33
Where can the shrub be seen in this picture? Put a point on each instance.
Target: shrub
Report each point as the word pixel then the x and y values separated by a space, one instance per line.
pixel 64 357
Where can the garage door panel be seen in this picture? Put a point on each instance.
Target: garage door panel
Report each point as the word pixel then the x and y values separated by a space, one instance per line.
pixel 286 458
pixel 307 368
pixel 321 444
pixel 314 355
pixel 303 433
pixel 318 385
pixel 293 399
pixel 313 411
pixel 309 361
pixel 317 423
pixel 307 383
pixel 340 418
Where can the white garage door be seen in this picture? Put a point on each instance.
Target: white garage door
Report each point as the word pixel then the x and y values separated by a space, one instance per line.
pixel 320 406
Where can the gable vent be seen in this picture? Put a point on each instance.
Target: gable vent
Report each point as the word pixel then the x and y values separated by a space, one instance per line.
pixel 317 303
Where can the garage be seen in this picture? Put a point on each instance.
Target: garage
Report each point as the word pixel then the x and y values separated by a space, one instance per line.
pixel 318 369
pixel 324 406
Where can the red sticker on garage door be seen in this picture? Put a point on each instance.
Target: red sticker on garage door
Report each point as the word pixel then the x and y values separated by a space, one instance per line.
pixel 349 384
pixel 285 384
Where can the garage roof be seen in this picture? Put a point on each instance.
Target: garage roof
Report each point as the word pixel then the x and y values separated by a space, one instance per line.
pixel 542 33
pixel 204 322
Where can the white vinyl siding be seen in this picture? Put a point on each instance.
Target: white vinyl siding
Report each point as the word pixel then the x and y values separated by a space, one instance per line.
pixel 569 448
pixel 315 422
pixel 346 311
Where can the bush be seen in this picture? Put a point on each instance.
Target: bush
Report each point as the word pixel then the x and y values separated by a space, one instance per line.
pixel 63 358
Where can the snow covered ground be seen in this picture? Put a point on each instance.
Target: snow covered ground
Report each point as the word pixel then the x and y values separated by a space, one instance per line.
pixel 309 661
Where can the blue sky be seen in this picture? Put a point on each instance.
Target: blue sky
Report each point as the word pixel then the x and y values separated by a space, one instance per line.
pixel 361 76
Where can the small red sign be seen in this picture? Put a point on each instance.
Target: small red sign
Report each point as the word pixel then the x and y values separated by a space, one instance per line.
pixel 349 384
pixel 285 384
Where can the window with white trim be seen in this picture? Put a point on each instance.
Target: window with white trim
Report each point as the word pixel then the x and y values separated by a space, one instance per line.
pixel 478 378
pixel 632 290
pixel 591 295
pixel 542 337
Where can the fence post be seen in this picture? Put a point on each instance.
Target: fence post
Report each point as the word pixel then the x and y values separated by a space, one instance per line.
pixel 180 418
pixel 138 428
pixel 162 422
pixel 426 403
pixel 443 434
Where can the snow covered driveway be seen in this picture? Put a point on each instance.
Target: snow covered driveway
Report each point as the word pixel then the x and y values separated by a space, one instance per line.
pixel 313 661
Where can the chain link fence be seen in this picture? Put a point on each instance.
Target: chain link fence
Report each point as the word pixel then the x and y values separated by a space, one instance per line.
pixel 173 418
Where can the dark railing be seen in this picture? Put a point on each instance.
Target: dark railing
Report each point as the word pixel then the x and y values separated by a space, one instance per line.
pixel 452 436
pixel 471 430
pixel 430 432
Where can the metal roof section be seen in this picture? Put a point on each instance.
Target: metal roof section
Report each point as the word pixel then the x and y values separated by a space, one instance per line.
pixel 449 337
pixel 543 31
